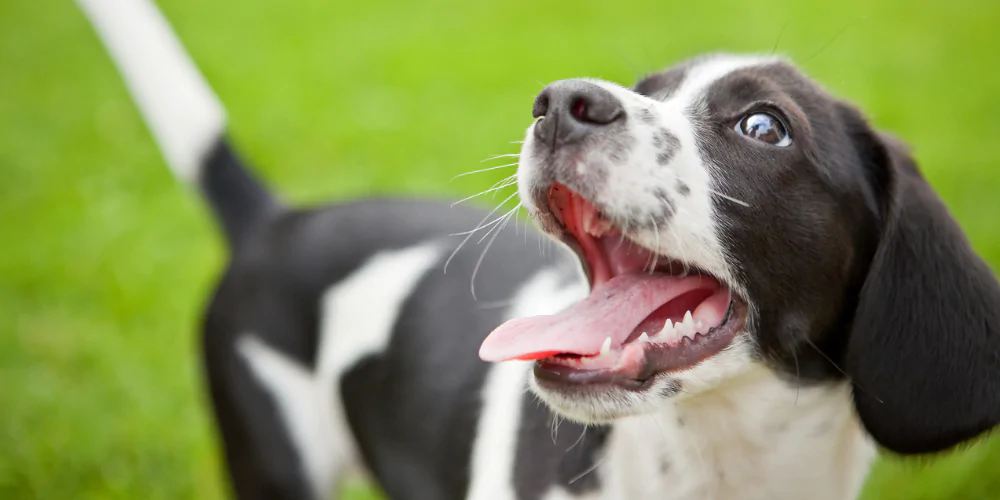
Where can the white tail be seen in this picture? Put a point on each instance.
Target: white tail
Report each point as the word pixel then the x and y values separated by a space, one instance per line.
pixel 185 116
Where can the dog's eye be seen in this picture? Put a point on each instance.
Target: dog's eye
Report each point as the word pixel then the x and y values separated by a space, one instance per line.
pixel 764 127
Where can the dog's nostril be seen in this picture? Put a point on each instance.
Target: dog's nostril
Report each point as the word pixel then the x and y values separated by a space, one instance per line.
pixel 595 107
pixel 579 110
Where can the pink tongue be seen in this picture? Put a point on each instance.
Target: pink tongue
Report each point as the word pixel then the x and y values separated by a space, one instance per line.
pixel 613 309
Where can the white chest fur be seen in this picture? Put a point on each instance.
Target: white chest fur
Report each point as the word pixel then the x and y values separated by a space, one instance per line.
pixel 756 438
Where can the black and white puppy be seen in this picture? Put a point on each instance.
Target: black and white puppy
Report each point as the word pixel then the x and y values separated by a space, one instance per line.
pixel 770 290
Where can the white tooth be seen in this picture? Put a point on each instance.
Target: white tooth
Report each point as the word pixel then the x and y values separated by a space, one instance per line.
pixel 680 331
pixel 689 326
pixel 688 320
pixel 600 227
pixel 606 347
pixel 668 326
pixel 666 334
pixel 643 337
pixel 698 325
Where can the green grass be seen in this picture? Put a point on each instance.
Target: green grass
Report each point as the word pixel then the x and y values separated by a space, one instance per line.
pixel 105 262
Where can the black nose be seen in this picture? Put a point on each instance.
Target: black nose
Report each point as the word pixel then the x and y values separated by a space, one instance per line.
pixel 568 110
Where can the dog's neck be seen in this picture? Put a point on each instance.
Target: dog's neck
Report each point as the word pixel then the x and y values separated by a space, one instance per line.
pixel 755 438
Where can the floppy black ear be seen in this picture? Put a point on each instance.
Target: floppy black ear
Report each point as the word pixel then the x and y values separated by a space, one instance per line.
pixel 924 349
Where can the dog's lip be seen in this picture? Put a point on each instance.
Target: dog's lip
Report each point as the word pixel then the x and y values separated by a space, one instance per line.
pixel 657 359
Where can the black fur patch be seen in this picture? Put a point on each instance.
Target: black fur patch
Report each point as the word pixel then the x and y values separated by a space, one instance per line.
pixel 548 454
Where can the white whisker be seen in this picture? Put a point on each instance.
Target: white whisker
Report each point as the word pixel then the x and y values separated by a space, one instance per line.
pixel 678 242
pixel 506 179
pixel 730 198
pixel 478 226
pixel 506 184
pixel 554 428
pixel 482 170
pixel 656 248
pixel 497 157
pixel 482 256
pixel 592 468
pixel 491 223
pixel 496 187
pixel 505 218
pixel 578 440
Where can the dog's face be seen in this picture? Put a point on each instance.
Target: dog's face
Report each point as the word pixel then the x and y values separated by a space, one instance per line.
pixel 728 211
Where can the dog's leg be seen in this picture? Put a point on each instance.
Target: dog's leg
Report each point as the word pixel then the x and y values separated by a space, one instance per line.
pixel 274 420
pixel 261 459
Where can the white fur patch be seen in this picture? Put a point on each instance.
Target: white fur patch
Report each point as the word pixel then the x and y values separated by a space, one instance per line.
pixel 495 444
pixel 753 438
pixel 185 117
pixel 701 76
pixel 359 312
pixel 358 316
pixel 298 397
pixel 496 434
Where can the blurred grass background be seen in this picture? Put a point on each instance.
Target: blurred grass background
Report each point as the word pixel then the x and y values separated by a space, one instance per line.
pixel 105 262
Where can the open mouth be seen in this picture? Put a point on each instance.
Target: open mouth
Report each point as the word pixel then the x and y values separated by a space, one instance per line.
pixel 646 313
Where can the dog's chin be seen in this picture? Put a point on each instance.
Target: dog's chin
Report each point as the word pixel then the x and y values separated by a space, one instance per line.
pixel 605 403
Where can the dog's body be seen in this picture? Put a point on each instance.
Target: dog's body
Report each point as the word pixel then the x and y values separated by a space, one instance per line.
pixel 337 341
pixel 387 388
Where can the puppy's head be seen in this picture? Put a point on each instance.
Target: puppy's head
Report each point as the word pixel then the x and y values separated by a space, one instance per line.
pixel 728 211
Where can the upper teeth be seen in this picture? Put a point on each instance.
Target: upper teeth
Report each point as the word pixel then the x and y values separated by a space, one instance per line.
pixel 595 226
pixel 672 333
pixel 606 346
